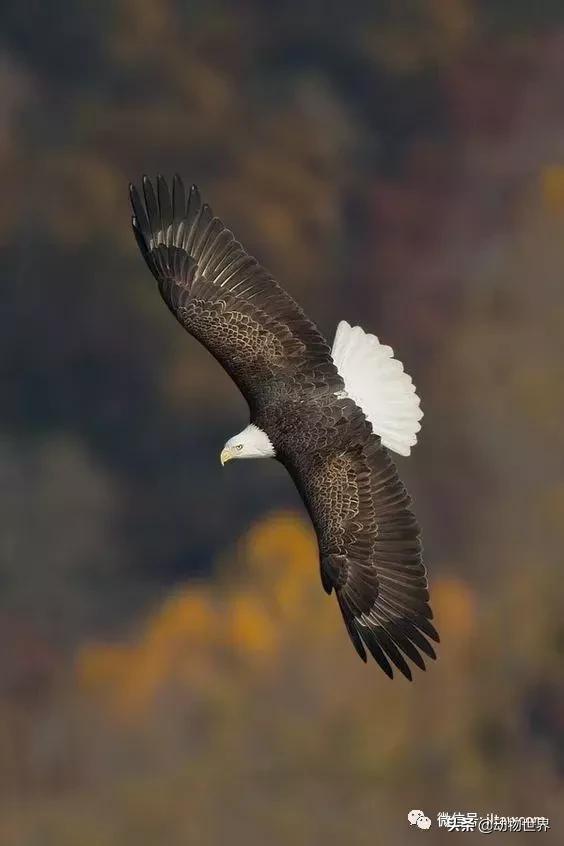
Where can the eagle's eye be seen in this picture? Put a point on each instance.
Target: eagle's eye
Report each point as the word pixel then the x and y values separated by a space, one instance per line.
pixel 239 447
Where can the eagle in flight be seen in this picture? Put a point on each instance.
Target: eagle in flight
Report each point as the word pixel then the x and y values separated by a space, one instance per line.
pixel 330 416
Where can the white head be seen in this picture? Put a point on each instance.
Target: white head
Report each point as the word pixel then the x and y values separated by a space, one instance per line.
pixel 252 442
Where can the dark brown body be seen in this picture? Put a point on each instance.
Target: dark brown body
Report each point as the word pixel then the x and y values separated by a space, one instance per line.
pixel 370 550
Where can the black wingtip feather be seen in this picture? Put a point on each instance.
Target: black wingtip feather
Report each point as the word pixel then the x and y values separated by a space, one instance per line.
pixel 165 205
pixel 377 652
pixel 405 645
pixel 194 196
pixel 176 235
pixel 138 208
pixel 427 628
pixel 391 651
pixel 151 205
pixel 351 627
pixel 178 201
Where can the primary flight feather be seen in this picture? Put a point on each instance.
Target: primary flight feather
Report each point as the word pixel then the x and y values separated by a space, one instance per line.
pixel 329 416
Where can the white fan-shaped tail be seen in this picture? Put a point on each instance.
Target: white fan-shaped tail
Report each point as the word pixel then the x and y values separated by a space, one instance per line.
pixel 377 382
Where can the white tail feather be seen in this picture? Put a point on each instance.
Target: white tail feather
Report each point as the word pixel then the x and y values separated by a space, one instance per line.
pixel 377 382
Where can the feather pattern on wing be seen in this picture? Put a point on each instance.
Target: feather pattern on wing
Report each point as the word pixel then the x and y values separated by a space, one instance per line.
pixel 223 297
pixel 369 543
pixel 370 550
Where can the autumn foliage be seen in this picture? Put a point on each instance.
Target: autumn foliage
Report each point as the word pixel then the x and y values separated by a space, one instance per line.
pixel 171 670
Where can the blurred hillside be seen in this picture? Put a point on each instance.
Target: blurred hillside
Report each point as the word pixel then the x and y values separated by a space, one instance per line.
pixel 396 164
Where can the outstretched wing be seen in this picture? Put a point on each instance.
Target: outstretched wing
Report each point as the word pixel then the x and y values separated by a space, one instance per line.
pixel 369 544
pixel 223 297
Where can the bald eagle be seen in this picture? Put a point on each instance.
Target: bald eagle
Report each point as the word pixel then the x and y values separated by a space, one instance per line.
pixel 330 416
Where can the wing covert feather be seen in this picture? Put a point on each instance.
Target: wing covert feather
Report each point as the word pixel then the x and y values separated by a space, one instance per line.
pixel 369 541
pixel 223 297
pixel 370 549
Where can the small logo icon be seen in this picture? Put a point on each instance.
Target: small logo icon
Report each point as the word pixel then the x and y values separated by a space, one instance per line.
pixel 419 819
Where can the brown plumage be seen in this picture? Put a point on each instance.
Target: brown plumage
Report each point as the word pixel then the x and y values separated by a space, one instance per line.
pixel 369 544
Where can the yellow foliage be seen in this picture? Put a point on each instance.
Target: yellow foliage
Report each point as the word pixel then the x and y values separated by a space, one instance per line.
pixel 101 665
pixel 282 556
pixel 275 602
pixel 251 630
pixel 280 542
pixel 128 678
pixel 187 615
pixel 279 577
pixel 455 608
pixel 141 682
pixel 117 676
pixel 552 188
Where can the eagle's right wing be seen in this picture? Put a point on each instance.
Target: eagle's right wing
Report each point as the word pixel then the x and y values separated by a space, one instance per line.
pixel 369 544
pixel 223 297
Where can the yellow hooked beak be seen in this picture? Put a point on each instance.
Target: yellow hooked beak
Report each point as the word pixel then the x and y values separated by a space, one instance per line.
pixel 226 455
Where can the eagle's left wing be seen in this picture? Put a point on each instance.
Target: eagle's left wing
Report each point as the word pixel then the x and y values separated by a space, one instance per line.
pixel 369 543
pixel 225 299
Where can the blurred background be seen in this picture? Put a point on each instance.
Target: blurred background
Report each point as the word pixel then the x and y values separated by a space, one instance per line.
pixel 170 669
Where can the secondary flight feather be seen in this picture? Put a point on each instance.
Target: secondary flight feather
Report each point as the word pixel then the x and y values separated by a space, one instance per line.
pixel 328 415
